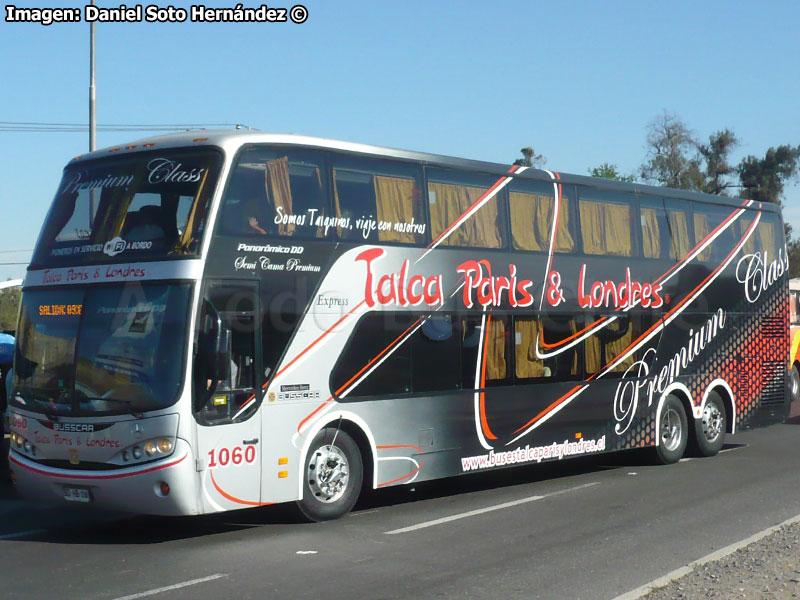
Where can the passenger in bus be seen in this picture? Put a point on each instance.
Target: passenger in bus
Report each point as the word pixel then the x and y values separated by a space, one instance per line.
pixel 149 223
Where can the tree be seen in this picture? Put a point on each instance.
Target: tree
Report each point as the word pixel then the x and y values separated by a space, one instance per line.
pixel 675 158
pixel 765 179
pixel 609 171
pixel 9 307
pixel 713 171
pixel 530 158
pixel 669 146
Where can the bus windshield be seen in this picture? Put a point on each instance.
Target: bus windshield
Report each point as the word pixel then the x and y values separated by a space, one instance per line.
pixel 141 206
pixel 109 350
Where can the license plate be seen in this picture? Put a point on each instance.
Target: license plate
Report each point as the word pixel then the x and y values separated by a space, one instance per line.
pixel 77 494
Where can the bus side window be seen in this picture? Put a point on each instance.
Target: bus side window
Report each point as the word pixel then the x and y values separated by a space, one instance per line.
pixel 497 351
pixel 606 223
pixel 382 200
pixel 451 193
pixel 532 204
pixel 706 218
pixel 278 192
pixel 376 359
pixel 655 229
pixel 435 359
pixel 680 227
pixel 553 330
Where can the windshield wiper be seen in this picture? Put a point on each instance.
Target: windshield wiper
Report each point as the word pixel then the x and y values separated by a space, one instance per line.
pixel 131 410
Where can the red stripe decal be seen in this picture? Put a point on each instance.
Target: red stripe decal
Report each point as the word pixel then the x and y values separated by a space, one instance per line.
pixel 227 496
pixel 414 472
pixel 550 408
pixel 96 477
pixel 315 342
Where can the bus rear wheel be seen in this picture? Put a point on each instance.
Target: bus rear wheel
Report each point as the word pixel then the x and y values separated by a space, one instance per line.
pixel 673 432
pixel 709 430
pixel 332 476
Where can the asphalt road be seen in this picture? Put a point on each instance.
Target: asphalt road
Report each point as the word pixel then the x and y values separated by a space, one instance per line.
pixel 586 528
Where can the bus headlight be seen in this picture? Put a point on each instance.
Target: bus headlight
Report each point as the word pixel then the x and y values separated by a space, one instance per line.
pixel 21 444
pixel 144 451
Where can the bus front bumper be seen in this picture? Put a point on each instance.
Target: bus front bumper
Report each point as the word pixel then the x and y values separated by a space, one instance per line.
pixel 140 489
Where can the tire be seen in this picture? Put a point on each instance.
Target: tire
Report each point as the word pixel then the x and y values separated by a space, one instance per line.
pixel 709 430
pixel 794 384
pixel 332 476
pixel 673 432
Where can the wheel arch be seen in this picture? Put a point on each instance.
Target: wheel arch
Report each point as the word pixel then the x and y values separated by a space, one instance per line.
pixel 721 388
pixel 358 429
pixel 682 393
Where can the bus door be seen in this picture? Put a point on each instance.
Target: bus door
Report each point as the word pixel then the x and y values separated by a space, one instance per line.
pixel 227 384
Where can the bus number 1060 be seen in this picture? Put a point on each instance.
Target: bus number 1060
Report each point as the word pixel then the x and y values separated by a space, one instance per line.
pixel 235 456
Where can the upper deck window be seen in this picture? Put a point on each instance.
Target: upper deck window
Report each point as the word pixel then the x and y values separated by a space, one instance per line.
pixel 143 205
pixel 532 206
pixel 767 235
pixel 655 228
pixel 277 191
pixel 606 223
pixel 451 196
pixel 378 200
pixel 680 227
pixel 713 229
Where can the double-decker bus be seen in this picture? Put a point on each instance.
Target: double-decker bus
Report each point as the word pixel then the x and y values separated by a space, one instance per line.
pixel 221 320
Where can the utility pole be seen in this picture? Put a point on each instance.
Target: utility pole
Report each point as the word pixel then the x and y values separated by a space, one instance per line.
pixel 92 117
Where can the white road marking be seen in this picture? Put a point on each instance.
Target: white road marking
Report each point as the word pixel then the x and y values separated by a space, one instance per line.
pixel 172 587
pixel 307 552
pixel 480 511
pixel 734 448
pixel 19 534
pixel 721 553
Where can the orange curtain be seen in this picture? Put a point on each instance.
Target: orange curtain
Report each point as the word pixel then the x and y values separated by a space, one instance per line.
pixel 448 202
pixel 679 229
pixel 526 330
pixel 651 235
pixel 606 228
pixel 616 347
pixel 701 230
pixel 496 350
pixel 532 221
pixel 762 239
pixel 394 200
pixel 279 190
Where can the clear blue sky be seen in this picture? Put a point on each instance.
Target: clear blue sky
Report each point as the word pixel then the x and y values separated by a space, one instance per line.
pixel 577 80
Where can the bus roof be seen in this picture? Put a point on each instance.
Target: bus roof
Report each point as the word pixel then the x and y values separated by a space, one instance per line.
pixel 231 140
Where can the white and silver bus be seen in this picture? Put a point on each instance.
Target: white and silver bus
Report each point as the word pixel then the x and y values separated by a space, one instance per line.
pixel 221 320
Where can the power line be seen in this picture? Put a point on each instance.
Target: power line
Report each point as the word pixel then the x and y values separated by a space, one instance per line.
pixel 13 251
pixel 5 264
pixel 124 124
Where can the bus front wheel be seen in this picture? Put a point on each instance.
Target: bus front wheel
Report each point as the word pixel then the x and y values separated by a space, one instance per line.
pixel 794 384
pixel 672 432
pixel 333 474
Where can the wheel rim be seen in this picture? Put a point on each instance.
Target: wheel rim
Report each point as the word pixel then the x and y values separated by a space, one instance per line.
pixel 328 474
pixel 671 429
pixel 712 422
pixel 795 384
